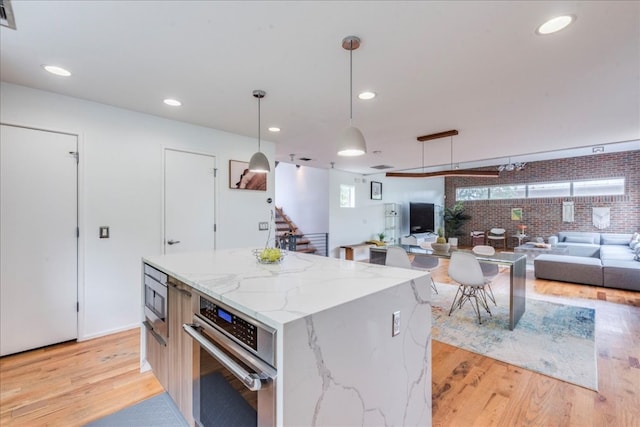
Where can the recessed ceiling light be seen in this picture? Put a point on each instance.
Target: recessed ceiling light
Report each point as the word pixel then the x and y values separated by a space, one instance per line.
pixel 555 24
pixel 274 129
pixel 367 95
pixel 172 102
pixel 58 71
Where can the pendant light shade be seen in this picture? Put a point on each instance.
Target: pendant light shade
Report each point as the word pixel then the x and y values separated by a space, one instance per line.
pixel 351 142
pixel 259 162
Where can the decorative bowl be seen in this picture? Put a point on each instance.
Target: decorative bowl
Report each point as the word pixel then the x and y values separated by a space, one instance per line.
pixel 269 258
pixel 442 248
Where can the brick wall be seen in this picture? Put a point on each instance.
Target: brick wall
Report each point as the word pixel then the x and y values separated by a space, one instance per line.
pixel 543 217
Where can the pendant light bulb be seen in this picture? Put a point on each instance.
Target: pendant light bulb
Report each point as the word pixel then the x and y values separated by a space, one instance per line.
pixel 259 162
pixel 351 141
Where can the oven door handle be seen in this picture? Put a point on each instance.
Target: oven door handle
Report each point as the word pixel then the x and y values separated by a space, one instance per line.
pixel 250 380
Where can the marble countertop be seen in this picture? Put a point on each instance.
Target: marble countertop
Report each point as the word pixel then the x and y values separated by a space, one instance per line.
pixel 275 294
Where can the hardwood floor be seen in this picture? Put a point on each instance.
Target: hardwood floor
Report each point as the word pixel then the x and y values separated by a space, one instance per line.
pixel 469 389
pixel 72 384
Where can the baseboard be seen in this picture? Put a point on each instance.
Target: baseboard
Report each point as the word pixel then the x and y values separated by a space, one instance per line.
pixel 109 332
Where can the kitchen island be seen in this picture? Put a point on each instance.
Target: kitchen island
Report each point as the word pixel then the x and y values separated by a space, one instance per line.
pixel 338 359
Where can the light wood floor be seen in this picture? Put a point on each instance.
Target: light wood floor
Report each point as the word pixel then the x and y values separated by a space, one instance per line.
pixel 71 384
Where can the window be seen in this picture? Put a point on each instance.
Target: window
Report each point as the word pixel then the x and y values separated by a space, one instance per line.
pixel 472 193
pixel 599 187
pixel 347 196
pixel 508 192
pixel 550 189
pixel 592 187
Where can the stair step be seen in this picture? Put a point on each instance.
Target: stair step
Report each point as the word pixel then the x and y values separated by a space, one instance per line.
pixel 306 250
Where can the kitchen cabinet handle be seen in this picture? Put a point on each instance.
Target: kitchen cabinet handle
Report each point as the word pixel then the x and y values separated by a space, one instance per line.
pixel 250 380
pixel 182 291
pixel 173 242
pixel 154 333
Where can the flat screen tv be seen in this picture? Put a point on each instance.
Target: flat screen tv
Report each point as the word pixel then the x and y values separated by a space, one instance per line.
pixel 421 218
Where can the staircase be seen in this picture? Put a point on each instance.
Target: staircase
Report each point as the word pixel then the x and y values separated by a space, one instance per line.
pixel 285 227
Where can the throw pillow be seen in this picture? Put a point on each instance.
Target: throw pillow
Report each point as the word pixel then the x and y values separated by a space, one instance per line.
pixel 634 244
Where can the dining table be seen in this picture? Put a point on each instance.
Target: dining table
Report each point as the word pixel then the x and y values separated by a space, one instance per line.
pixel 517 263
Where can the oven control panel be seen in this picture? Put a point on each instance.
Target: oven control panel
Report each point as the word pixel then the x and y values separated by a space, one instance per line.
pixel 231 323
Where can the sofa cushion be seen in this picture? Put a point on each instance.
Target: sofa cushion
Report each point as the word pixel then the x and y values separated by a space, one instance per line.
pixel 579 237
pixel 621 274
pixel 582 249
pixel 616 252
pixel 615 239
pixel 567 268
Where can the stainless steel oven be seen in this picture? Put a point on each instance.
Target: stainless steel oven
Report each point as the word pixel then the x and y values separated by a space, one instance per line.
pixel 155 301
pixel 234 367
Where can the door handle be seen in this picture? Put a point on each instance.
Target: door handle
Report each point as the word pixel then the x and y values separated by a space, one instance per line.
pixel 173 242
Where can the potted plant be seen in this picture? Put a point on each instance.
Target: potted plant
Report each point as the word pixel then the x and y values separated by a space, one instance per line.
pixel 454 219
pixel 440 245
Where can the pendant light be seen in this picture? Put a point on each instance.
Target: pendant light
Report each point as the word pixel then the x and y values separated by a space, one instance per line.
pixel 259 162
pixel 351 142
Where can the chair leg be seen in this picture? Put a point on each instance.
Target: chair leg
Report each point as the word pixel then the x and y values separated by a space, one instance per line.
pixel 457 300
pixel 433 286
pixel 490 294
pixel 465 293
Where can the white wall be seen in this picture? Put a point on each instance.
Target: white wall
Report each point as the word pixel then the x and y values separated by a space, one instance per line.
pixel 366 220
pixel 121 186
pixel 303 193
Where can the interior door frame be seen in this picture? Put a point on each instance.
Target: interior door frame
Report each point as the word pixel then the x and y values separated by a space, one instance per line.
pixel 215 195
pixel 80 221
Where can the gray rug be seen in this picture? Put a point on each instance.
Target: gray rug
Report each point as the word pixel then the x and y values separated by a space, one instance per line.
pixel 157 411
pixel 557 340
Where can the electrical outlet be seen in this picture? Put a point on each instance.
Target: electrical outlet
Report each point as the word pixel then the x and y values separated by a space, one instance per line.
pixel 263 226
pixel 396 324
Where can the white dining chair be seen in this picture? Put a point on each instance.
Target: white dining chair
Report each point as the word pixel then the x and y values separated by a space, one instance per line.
pixel 489 270
pixel 464 268
pixel 427 263
pixel 398 257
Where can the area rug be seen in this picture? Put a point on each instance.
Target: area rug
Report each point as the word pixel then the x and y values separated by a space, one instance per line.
pixel 157 411
pixel 553 339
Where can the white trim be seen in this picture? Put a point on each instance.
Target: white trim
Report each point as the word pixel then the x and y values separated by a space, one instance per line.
pixel 110 332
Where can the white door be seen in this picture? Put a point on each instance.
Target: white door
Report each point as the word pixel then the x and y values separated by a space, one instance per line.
pixel 189 202
pixel 38 240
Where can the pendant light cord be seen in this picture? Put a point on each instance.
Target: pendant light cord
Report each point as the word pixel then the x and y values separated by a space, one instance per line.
pixel 259 123
pixel 351 84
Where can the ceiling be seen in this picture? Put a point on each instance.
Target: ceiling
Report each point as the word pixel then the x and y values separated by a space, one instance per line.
pixel 475 66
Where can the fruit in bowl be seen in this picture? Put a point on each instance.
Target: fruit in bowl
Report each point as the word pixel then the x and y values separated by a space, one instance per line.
pixel 269 255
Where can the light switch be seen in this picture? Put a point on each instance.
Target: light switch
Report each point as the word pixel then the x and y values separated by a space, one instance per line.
pixel 263 226
pixel 104 232
pixel 396 324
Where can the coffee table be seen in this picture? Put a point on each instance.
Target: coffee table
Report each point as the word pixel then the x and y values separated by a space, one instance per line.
pixel 531 251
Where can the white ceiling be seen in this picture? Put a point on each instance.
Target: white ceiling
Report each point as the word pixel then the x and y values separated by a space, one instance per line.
pixel 474 66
